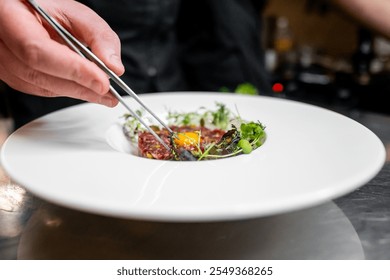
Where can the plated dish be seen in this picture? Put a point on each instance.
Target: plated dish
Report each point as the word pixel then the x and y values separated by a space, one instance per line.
pixel 79 157
pixel 196 135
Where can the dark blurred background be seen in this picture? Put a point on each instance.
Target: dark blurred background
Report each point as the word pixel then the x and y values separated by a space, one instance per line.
pixel 317 54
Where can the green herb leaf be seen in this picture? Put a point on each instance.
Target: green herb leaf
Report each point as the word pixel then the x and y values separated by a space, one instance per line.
pixel 253 133
pixel 221 116
pixel 246 88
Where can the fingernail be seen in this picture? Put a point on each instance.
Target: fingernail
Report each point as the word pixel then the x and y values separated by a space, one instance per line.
pixel 116 60
pixel 108 101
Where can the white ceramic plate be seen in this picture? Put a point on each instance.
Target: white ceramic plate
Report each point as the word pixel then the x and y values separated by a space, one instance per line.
pixel 77 158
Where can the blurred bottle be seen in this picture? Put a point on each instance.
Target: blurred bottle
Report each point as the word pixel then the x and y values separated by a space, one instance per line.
pixel 278 41
pixel 363 57
pixel 283 40
pixel 286 57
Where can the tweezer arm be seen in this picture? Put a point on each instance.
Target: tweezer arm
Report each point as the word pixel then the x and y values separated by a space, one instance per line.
pixel 83 51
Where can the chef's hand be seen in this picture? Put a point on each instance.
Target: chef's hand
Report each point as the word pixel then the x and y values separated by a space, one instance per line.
pixel 34 60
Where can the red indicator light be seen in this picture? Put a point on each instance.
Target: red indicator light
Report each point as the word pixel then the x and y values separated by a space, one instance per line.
pixel 278 87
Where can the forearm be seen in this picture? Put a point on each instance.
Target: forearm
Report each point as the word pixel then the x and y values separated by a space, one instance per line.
pixel 374 14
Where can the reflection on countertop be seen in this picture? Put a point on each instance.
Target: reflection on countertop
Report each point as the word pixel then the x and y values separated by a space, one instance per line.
pixel 322 232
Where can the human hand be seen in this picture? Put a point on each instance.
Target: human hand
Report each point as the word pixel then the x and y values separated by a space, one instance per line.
pixel 34 60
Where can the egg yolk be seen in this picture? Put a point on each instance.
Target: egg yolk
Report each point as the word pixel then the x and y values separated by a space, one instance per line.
pixel 184 139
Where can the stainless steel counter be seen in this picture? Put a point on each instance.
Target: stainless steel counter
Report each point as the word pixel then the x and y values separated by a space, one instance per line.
pixel 355 226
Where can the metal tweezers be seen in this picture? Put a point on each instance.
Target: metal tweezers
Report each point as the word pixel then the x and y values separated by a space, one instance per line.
pixel 83 51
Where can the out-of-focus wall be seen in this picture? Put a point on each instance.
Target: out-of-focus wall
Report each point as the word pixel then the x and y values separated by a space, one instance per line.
pixel 332 32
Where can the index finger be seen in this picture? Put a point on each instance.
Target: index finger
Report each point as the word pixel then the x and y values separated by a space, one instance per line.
pixel 102 40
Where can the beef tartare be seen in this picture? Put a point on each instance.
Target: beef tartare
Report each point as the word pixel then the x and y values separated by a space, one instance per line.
pixel 198 135
pixel 189 138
